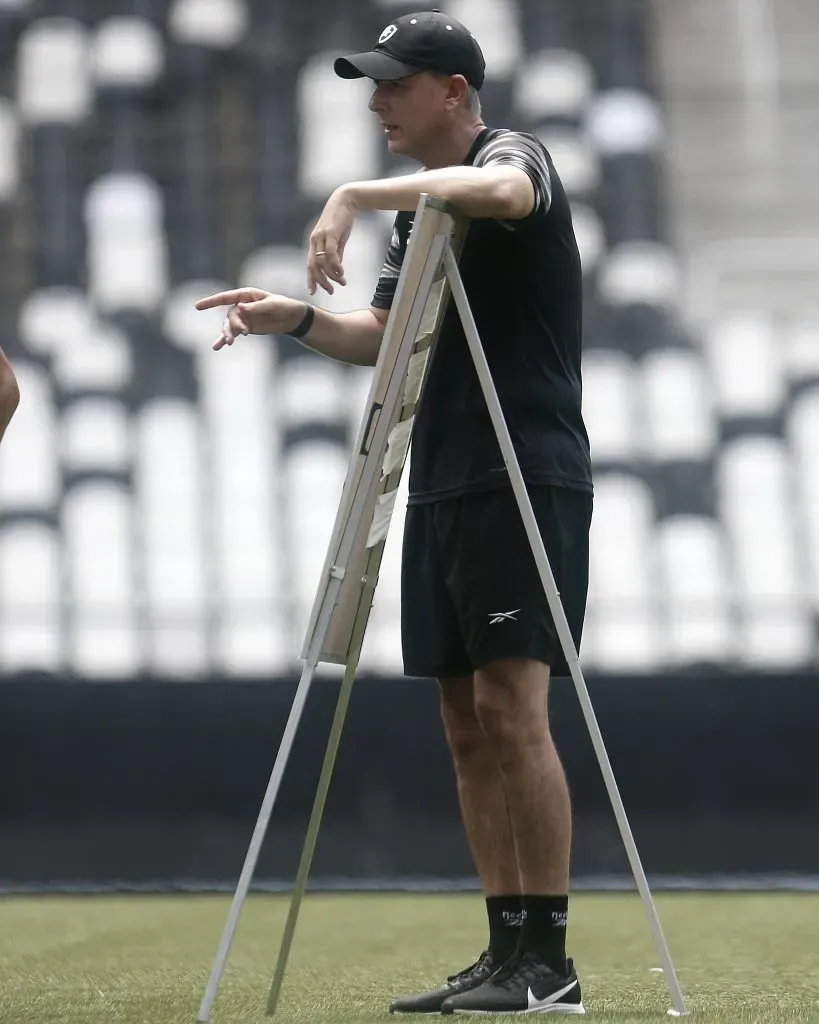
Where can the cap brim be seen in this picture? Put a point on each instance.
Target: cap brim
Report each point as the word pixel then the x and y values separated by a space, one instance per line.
pixel 373 65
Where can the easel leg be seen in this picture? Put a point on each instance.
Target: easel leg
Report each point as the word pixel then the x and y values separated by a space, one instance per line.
pixel 257 840
pixel 314 825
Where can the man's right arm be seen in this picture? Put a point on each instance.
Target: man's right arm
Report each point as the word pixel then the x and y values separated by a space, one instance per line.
pixel 353 337
pixel 347 337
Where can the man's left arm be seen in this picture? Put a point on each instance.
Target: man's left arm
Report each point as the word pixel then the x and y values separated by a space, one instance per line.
pixel 509 182
pixel 504 191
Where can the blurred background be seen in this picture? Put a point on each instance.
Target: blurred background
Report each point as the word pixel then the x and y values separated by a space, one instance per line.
pixel 165 510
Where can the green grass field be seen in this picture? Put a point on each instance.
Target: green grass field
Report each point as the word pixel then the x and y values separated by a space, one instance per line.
pixel 741 959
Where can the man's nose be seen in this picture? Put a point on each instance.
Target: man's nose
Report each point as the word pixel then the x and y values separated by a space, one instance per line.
pixel 376 103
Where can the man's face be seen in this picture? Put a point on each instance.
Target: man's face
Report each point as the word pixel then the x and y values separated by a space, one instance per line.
pixel 413 111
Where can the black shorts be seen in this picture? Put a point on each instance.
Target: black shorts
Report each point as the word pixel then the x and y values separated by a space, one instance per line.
pixel 470 589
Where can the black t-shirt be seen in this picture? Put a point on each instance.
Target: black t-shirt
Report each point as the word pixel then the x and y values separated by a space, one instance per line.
pixel 524 284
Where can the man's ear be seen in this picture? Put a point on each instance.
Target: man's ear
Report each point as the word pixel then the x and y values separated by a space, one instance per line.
pixel 458 88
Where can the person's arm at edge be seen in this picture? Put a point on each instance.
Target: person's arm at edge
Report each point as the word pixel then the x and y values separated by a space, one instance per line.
pixel 9 393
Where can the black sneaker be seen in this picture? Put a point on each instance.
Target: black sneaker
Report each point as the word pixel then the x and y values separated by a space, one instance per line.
pixel 525 984
pixel 469 978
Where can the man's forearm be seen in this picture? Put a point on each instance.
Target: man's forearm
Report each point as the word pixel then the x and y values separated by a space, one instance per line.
pixel 503 192
pixel 353 338
pixel 9 393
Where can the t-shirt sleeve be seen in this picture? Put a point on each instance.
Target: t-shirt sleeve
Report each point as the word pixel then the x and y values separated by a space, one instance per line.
pixel 524 151
pixel 390 271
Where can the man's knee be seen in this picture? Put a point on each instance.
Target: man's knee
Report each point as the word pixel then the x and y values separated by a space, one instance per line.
pixel 510 703
pixel 463 730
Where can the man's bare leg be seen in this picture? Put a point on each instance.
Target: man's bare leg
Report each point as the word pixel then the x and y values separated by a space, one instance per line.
pixel 510 703
pixel 480 790
pixel 485 814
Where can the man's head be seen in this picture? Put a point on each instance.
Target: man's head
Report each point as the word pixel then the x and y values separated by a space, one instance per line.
pixel 428 70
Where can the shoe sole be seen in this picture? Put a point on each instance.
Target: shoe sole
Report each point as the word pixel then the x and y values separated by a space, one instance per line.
pixel 567 1008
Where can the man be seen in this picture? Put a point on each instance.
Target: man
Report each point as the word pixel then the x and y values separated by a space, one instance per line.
pixel 9 393
pixel 474 614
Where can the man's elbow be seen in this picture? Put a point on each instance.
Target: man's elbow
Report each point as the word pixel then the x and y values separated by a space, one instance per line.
pixel 514 196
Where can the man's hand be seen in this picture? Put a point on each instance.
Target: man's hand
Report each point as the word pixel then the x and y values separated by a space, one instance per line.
pixel 328 240
pixel 253 311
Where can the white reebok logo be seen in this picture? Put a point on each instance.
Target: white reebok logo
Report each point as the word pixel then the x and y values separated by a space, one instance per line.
pixel 388 33
pixel 496 617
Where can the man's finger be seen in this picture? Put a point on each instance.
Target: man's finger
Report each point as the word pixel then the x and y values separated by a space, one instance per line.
pixel 237 324
pixel 316 276
pixel 219 299
pixel 323 280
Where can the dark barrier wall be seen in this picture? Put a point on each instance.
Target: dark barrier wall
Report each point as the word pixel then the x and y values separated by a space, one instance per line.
pixel 145 783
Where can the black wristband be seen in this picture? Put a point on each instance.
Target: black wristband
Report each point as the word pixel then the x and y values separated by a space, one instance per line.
pixel 305 323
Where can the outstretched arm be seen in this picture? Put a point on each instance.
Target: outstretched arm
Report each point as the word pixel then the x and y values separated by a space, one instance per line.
pixel 353 337
pixel 9 393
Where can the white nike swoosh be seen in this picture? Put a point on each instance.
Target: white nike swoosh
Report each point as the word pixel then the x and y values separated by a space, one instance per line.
pixel 555 997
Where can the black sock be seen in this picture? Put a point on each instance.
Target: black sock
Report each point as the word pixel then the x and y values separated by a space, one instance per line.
pixel 544 928
pixel 505 915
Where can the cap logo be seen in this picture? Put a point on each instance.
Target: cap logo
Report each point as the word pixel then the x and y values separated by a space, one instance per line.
pixel 388 33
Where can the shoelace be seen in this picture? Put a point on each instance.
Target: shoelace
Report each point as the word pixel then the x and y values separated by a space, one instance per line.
pixel 525 965
pixel 473 969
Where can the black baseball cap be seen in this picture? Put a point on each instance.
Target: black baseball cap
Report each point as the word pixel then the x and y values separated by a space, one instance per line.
pixel 427 41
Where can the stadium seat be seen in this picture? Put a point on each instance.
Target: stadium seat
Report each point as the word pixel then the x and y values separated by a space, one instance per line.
pixel 311 389
pixel 30 598
pixel 746 364
pixel 127 52
pixel 54 72
pixel 678 419
pixel 803 437
pixel 554 87
pixel 169 496
pixel 575 157
pixel 54 320
pixel 9 151
pixel 127 262
pixel 769 581
pixel 624 628
pixel 101 361
pixel 213 23
pixel 610 397
pixel 694 574
pixel 340 136
pixel 496 23
pixel 277 268
pixel 97 530
pixel 29 469
pixel 801 354
pixel 95 436
pixel 640 272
